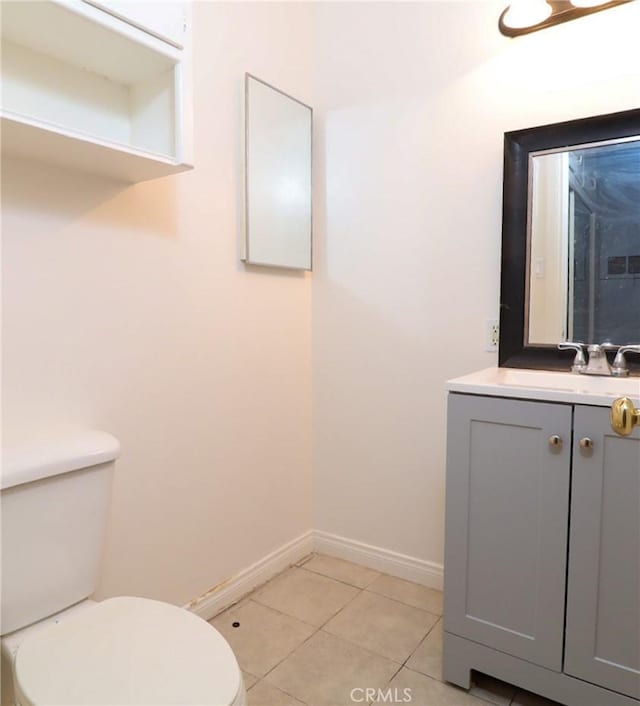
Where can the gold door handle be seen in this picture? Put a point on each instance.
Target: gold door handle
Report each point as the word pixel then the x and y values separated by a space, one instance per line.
pixel 555 441
pixel 586 443
pixel 624 416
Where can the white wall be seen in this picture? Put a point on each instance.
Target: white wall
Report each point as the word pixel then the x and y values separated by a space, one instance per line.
pixel 127 309
pixel 415 99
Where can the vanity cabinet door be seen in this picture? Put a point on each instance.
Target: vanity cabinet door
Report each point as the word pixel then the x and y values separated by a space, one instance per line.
pixel 508 469
pixel 603 602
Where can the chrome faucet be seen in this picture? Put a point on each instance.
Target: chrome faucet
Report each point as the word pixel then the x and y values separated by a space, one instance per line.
pixel 620 368
pixel 579 362
pixel 598 363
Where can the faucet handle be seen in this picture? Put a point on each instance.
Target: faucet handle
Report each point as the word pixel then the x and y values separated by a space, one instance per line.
pixel 620 368
pixel 632 347
pixel 579 362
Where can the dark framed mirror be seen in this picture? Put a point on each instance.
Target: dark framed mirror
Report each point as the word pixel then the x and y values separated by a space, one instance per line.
pixel 570 239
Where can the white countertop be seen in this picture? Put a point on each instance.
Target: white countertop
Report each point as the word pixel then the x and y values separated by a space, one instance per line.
pixel 547 385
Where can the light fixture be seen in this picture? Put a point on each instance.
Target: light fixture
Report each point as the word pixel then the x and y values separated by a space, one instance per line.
pixel 526 13
pixel 588 3
pixel 524 16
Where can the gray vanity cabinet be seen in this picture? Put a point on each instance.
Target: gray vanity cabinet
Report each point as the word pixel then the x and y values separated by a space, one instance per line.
pixel 603 593
pixel 507 524
pixel 542 559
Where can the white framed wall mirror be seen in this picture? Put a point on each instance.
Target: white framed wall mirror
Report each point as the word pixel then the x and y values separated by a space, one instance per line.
pixel 277 183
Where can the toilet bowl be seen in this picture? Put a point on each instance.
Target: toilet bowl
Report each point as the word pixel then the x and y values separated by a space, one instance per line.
pixel 58 647
pixel 124 651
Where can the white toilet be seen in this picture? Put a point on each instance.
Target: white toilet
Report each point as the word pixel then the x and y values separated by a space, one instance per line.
pixel 58 647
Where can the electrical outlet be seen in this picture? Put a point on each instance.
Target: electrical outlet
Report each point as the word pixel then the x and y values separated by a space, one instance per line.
pixel 493 334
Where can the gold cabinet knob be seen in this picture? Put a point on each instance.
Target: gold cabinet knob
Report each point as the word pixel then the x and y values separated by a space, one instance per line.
pixel 555 441
pixel 624 416
pixel 586 443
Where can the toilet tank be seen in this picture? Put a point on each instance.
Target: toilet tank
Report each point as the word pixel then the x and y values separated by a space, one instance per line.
pixel 54 501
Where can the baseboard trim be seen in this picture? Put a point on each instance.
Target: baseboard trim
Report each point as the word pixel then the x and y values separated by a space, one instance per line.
pixel 233 589
pixel 420 571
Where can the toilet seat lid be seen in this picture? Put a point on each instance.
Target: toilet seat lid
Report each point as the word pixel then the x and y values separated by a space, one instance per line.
pixel 128 651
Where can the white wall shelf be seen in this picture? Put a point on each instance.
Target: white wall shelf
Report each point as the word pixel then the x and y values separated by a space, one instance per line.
pixel 86 90
pixel 168 24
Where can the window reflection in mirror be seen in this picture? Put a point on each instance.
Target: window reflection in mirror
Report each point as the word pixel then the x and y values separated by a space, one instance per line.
pixel 584 244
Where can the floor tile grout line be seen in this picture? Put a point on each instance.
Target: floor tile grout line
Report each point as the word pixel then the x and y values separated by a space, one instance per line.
pixel 361 647
pixel 400 666
pixel 431 629
pixel 316 630
pixel 397 600
pixel 438 616
pixel 373 652
pixel 255 598
pixel 295 649
pixel 415 671
pixel 375 593
pixel 395 674
pixel 368 586
pixel 405 665
pixel 337 637
pixel 353 644
pixel 250 599
pixel 280 612
pixel 349 602
pixel 303 703
pixel 286 615
pixel 321 626
pixel 317 627
pixel 334 578
pixel 377 573
pixel 251 674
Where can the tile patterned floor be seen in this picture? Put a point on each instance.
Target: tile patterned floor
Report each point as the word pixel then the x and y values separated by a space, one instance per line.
pixel 326 627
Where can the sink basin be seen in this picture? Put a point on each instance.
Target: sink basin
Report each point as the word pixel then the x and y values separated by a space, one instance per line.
pixel 547 385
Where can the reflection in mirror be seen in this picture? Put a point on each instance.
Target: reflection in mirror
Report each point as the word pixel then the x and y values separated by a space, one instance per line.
pixel 277 178
pixel 584 244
